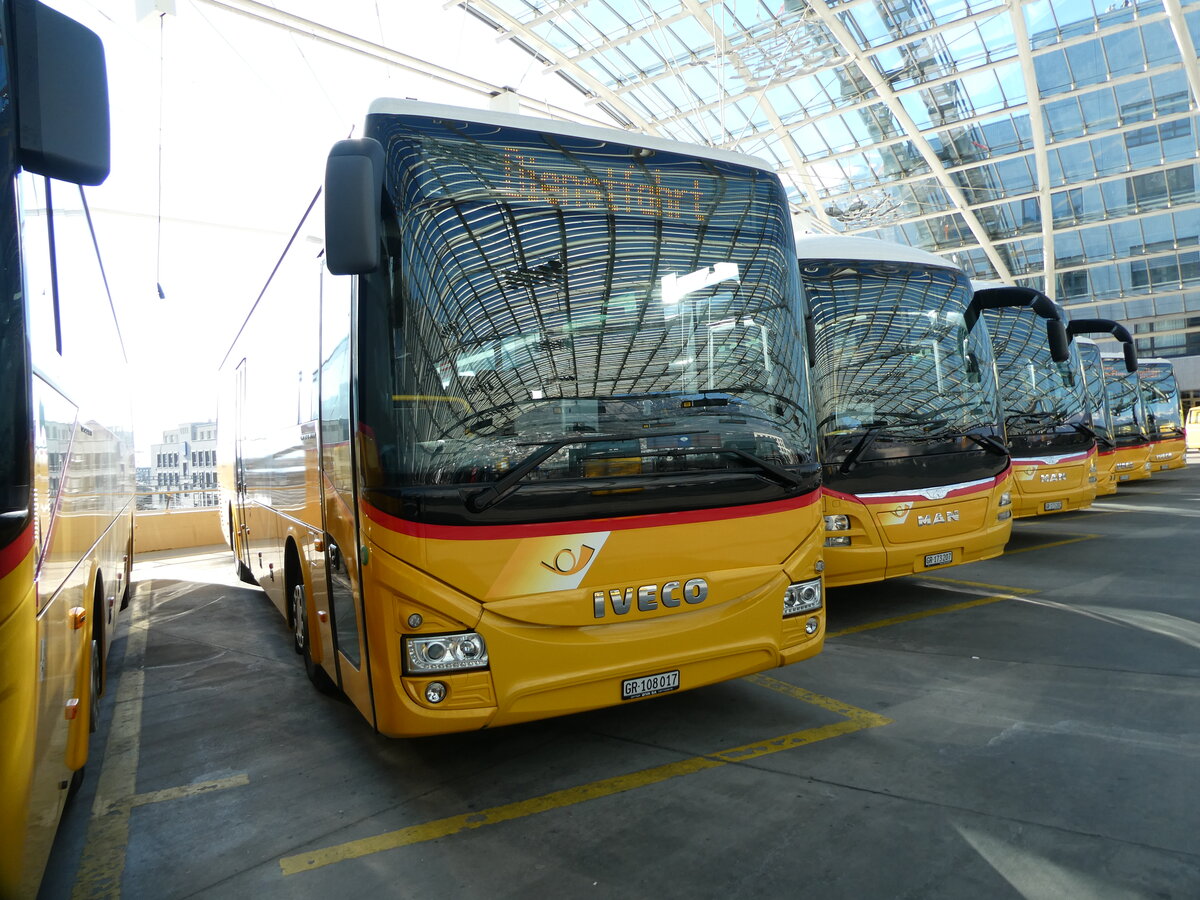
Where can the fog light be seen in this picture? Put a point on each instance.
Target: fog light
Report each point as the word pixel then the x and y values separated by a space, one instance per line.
pixel 444 652
pixel 802 597
pixel 843 541
pixel 435 692
pixel 1006 498
pixel 811 626
pixel 837 523
pixel 1004 515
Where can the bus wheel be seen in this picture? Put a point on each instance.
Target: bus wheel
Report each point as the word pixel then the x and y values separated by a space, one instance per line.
pixel 301 638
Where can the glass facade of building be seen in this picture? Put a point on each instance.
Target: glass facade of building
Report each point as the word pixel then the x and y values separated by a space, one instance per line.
pixel 1050 143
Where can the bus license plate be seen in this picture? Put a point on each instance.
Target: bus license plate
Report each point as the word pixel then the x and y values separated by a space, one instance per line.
pixel 1051 505
pixel 649 685
pixel 939 559
pixel 1124 477
pixel 1165 466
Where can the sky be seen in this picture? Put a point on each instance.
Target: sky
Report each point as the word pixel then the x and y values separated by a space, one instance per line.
pixel 221 125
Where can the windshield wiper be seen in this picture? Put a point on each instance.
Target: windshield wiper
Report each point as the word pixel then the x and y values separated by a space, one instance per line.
pixel 777 472
pixel 510 481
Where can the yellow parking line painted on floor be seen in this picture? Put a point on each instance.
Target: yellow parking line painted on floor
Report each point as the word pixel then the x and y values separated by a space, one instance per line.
pixel 853 713
pixel 1074 540
pixel 979 584
pixel 190 790
pixel 861 718
pixel 913 617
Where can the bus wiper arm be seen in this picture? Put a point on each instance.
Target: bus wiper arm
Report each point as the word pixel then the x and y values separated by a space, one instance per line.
pixel 777 472
pixel 868 436
pixel 510 481
pixel 987 442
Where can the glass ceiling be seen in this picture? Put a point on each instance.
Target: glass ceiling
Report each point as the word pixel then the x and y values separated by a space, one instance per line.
pixel 1045 142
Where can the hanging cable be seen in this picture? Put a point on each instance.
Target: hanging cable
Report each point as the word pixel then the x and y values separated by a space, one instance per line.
pixel 158 224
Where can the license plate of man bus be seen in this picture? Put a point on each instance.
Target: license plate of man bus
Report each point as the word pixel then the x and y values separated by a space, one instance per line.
pixel 649 685
pixel 939 559
pixel 1051 505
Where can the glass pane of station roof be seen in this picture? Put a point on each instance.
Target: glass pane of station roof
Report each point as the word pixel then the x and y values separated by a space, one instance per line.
pixel 1048 142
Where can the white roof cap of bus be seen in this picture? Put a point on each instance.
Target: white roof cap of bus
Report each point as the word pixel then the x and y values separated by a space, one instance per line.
pixel 840 246
pixel 391 106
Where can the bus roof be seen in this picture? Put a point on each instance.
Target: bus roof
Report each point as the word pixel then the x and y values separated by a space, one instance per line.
pixel 838 246
pixel 396 107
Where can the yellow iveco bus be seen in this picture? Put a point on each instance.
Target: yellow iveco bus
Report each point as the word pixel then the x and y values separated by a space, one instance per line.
pixel 1164 417
pixel 534 436
pixel 1092 361
pixel 1045 404
pixel 916 473
pixel 1128 410
pixel 66 455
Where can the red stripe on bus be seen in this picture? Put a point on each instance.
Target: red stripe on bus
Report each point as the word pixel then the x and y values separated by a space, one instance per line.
pixel 581 526
pixel 11 555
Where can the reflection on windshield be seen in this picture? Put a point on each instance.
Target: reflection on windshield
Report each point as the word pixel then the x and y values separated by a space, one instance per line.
pixel 546 290
pixel 895 361
pixel 1038 394
pixel 1161 396
pixel 1093 370
pixel 1124 400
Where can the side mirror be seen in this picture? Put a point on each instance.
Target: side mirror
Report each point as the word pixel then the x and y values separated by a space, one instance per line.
pixel 1056 336
pixel 353 217
pixel 61 95
pixel 1131 360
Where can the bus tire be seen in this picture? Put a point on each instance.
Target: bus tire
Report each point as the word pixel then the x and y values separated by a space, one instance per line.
pixel 302 642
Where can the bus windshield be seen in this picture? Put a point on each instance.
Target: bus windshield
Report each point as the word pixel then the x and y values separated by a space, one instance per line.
pixel 556 308
pixel 1093 372
pixel 1125 402
pixel 895 358
pixel 1161 396
pixel 1039 396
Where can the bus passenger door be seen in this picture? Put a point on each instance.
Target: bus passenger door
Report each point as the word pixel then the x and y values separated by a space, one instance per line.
pixel 339 499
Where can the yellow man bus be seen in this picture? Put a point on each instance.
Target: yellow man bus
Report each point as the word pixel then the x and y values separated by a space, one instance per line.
pixel 1045 404
pixel 1128 409
pixel 537 437
pixel 1164 417
pixel 1092 361
pixel 66 463
pixel 916 473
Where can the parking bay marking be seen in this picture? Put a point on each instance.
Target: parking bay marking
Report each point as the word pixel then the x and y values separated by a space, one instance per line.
pixel 855 719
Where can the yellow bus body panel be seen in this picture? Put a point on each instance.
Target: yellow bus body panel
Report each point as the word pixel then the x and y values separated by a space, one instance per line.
pixel 18 715
pixel 1051 484
pixel 894 534
pixel 1106 473
pixel 1132 463
pixel 1169 454
pixel 553 650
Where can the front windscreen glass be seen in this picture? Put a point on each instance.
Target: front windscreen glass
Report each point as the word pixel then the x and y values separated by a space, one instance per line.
pixel 1161 396
pixel 1124 401
pixel 1093 374
pixel 895 361
pixel 1039 396
pixel 558 308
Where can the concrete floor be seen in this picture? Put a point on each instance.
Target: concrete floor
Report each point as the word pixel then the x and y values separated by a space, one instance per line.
pixel 1024 727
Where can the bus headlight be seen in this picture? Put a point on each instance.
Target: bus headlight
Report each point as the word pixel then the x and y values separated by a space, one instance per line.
pixel 803 597
pixel 841 541
pixel 1004 515
pixel 1006 498
pixel 444 653
pixel 837 523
